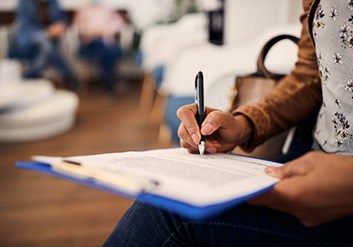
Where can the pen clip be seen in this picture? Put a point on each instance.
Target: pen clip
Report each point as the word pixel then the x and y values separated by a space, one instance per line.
pixel 199 93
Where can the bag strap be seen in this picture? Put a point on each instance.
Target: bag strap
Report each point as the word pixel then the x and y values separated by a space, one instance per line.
pixel 261 69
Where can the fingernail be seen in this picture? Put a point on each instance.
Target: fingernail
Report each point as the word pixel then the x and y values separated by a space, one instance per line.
pixel 211 150
pixel 195 138
pixel 270 171
pixel 217 145
pixel 207 128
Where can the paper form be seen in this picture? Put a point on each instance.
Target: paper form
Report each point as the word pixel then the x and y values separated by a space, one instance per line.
pixel 196 180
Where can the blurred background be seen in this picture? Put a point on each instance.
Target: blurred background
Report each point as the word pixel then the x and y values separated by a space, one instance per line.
pixel 88 76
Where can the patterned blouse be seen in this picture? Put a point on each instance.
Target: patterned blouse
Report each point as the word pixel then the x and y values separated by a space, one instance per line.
pixel 333 36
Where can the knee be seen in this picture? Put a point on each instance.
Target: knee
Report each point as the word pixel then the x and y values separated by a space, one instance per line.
pixel 137 226
pixel 44 44
pixel 140 211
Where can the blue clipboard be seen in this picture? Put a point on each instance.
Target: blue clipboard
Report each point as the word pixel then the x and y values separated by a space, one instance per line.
pixel 180 208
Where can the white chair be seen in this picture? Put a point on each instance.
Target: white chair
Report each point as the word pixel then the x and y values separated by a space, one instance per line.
pixel 161 44
pixel 31 110
pixel 35 111
pixel 245 20
pixel 21 94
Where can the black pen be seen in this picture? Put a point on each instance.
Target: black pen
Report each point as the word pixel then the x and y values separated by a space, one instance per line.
pixel 200 103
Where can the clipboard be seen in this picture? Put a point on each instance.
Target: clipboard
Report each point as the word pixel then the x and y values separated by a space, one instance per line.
pixel 184 209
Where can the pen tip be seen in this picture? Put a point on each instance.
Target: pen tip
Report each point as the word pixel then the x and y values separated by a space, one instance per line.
pixel 202 148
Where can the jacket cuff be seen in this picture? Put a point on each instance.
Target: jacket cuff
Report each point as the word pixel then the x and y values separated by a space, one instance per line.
pixel 260 122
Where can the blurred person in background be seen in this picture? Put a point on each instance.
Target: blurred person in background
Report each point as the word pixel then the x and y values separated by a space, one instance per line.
pixel 41 25
pixel 99 29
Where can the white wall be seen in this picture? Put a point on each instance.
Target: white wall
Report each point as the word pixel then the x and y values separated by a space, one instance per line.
pixel 7 4
pixel 67 4
pixel 244 19
pixel 296 9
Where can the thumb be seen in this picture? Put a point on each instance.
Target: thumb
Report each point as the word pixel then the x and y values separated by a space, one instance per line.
pixel 215 120
pixel 291 169
pixel 212 122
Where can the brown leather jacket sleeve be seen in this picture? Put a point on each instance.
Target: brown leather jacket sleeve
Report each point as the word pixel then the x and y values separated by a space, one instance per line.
pixel 294 97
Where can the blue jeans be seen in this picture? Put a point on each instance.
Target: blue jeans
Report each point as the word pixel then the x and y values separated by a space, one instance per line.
pixel 41 51
pixel 47 51
pixel 245 225
pixel 107 56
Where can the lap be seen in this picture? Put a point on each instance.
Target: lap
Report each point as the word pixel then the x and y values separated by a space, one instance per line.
pixel 97 48
pixel 245 225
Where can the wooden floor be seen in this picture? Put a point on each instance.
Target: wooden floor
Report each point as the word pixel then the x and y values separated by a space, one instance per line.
pixel 39 210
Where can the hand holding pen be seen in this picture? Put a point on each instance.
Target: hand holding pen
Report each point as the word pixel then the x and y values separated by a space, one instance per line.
pixel 222 130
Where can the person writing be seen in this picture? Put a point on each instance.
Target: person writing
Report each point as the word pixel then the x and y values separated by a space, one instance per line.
pixel 312 205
